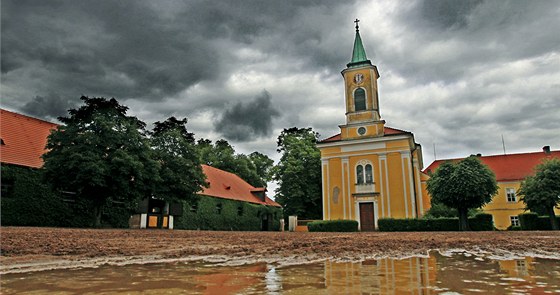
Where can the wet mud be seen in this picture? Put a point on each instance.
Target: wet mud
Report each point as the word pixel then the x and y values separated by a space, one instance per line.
pixel 25 249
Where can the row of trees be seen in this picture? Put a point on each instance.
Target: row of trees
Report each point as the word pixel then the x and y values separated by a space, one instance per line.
pixel 103 156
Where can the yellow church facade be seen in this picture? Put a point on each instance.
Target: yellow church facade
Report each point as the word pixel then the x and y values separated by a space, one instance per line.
pixel 369 170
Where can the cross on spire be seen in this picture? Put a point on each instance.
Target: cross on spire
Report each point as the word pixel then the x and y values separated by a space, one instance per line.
pixel 357 26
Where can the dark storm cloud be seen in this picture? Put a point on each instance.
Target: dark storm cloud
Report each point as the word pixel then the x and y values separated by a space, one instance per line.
pixel 453 72
pixel 49 107
pixel 111 48
pixel 447 14
pixel 246 121
pixel 152 50
pixel 446 38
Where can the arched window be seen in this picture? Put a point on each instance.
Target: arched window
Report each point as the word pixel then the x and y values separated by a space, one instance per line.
pixel 364 172
pixel 359 100
pixel 360 174
pixel 369 174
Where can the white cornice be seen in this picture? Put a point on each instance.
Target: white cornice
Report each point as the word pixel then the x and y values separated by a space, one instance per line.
pixel 364 140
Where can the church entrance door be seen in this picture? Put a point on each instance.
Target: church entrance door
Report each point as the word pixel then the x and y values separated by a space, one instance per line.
pixel 366 217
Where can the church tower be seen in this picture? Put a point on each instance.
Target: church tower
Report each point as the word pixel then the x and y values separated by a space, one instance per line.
pixel 369 171
pixel 362 100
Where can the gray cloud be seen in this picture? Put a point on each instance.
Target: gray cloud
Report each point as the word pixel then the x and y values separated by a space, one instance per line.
pixel 49 107
pixel 245 121
pixel 458 73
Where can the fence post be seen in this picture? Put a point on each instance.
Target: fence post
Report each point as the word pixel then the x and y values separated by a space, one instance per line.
pixel 292 223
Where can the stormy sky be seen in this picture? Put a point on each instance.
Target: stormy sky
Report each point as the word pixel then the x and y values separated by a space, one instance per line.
pixel 458 74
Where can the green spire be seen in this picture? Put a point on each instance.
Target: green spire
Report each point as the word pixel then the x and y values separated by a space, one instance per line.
pixel 359 53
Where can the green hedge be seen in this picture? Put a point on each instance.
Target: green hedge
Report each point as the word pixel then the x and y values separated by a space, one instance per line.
pixel 480 222
pixel 333 226
pixel 28 201
pixel 528 221
pixel 234 215
pixel 531 221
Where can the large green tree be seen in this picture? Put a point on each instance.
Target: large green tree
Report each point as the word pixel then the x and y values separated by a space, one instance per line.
pixel 101 154
pixel 263 166
pixel 463 185
pixel 180 173
pixel 298 173
pixel 255 168
pixel 541 192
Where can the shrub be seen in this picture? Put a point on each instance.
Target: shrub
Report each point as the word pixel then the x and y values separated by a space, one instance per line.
pixel 528 221
pixel 231 215
pixel 333 226
pixel 26 201
pixel 543 222
pixel 511 227
pixel 480 222
pixel 531 221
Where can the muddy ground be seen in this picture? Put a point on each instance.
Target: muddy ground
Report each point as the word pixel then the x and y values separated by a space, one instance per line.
pixel 27 249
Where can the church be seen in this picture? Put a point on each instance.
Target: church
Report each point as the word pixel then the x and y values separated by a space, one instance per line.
pixel 369 170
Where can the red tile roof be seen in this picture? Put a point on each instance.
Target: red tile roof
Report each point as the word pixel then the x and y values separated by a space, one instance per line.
pixel 387 131
pixel 23 139
pixel 227 185
pixel 512 167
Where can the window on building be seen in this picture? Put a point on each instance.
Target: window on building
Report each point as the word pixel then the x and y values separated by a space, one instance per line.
pixel 364 174
pixel 521 267
pixel 7 189
pixel 369 174
pixel 194 207
pixel 514 220
pixel 359 99
pixel 219 209
pixel 510 194
pixel 360 174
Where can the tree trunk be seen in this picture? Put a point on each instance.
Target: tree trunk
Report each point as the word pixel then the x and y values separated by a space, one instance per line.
pixel 463 219
pixel 97 218
pixel 553 220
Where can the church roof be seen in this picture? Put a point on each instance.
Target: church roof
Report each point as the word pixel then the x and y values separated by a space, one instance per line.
pixel 388 131
pixel 512 167
pixel 358 53
pixel 23 139
pixel 227 185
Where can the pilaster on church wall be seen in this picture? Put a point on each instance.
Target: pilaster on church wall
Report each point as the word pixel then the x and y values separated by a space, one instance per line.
pixel 395 177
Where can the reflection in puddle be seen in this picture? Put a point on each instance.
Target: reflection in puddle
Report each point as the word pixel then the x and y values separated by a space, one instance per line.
pixel 464 274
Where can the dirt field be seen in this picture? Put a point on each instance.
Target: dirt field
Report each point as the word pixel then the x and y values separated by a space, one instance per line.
pixel 29 249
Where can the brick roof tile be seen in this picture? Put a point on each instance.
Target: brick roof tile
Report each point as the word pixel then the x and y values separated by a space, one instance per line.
pixel 24 139
pixel 512 167
pixel 228 185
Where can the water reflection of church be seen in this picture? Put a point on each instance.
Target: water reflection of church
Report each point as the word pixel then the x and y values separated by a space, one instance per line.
pixel 432 275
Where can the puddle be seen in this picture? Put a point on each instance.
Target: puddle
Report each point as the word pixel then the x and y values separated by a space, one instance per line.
pixel 459 273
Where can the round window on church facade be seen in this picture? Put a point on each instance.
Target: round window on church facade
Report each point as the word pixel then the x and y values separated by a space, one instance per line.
pixel 362 130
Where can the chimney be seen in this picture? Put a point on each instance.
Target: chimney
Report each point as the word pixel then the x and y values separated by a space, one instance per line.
pixel 546 149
